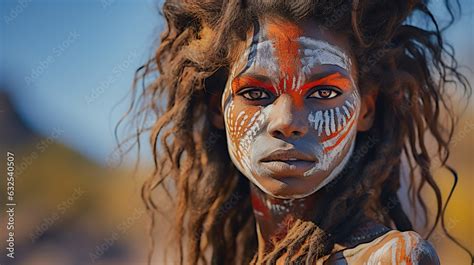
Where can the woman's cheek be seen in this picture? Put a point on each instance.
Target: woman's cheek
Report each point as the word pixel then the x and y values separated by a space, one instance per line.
pixel 335 128
pixel 242 125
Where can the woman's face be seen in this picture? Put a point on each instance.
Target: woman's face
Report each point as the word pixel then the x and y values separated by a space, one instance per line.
pixel 291 107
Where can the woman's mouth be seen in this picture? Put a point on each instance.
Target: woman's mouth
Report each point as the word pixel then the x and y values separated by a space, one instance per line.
pixel 288 163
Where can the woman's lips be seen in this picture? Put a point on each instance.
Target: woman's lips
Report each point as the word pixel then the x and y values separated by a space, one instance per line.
pixel 288 163
pixel 288 155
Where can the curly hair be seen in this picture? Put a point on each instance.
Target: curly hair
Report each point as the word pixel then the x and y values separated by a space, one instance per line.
pixel 410 67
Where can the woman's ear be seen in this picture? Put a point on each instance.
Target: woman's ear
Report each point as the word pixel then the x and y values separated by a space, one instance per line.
pixel 367 111
pixel 215 111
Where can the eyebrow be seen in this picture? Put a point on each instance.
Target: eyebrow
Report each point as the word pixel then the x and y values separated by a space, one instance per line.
pixel 332 79
pixel 251 80
pixel 254 80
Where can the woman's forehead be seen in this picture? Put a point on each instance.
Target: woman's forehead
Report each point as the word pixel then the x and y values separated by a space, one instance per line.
pixel 276 45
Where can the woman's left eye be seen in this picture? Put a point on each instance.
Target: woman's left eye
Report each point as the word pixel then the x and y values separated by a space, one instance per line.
pixel 325 93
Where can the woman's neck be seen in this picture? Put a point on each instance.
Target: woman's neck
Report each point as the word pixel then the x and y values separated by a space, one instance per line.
pixel 273 214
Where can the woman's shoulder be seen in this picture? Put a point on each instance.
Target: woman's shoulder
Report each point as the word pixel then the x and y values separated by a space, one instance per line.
pixel 397 247
pixel 393 247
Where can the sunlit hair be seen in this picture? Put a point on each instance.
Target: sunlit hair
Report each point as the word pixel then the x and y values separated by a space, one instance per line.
pixel 410 67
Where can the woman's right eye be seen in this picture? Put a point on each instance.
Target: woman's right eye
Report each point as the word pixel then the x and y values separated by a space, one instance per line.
pixel 254 94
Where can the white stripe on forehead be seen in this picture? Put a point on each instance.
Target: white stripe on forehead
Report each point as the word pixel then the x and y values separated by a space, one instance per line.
pixel 317 52
pixel 313 52
pixel 266 56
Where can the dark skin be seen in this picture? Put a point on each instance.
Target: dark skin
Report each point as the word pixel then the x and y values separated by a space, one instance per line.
pixel 271 222
pixel 275 215
pixel 272 213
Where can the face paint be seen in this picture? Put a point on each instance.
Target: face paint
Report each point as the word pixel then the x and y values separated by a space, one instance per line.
pixel 339 130
pixel 321 52
pixel 282 62
pixel 393 247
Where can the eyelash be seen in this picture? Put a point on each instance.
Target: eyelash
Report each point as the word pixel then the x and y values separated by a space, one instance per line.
pixel 333 92
pixel 245 94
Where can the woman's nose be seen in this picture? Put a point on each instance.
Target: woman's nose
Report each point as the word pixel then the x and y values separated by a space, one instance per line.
pixel 286 120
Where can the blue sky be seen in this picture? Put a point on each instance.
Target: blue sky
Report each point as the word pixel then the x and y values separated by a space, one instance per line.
pixel 70 62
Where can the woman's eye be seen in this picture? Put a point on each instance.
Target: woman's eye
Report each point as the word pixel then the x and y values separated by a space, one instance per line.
pixel 254 94
pixel 325 93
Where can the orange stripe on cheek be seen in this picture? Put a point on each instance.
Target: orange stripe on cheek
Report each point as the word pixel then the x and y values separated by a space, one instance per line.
pixel 343 136
pixel 334 134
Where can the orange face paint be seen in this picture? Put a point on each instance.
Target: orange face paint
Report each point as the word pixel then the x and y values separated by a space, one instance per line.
pixel 340 139
pixel 284 36
pixel 248 81
pixel 282 60
pixel 334 79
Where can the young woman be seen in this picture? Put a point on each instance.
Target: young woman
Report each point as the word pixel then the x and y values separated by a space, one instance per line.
pixel 280 127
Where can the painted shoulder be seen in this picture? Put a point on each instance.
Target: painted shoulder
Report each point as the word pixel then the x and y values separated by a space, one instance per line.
pixel 403 248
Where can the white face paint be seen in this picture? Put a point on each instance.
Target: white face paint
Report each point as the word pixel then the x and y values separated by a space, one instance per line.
pixel 340 123
pixel 320 52
pixel 288 82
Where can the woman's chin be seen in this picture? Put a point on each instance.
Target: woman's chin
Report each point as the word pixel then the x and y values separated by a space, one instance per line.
pixel 291 187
